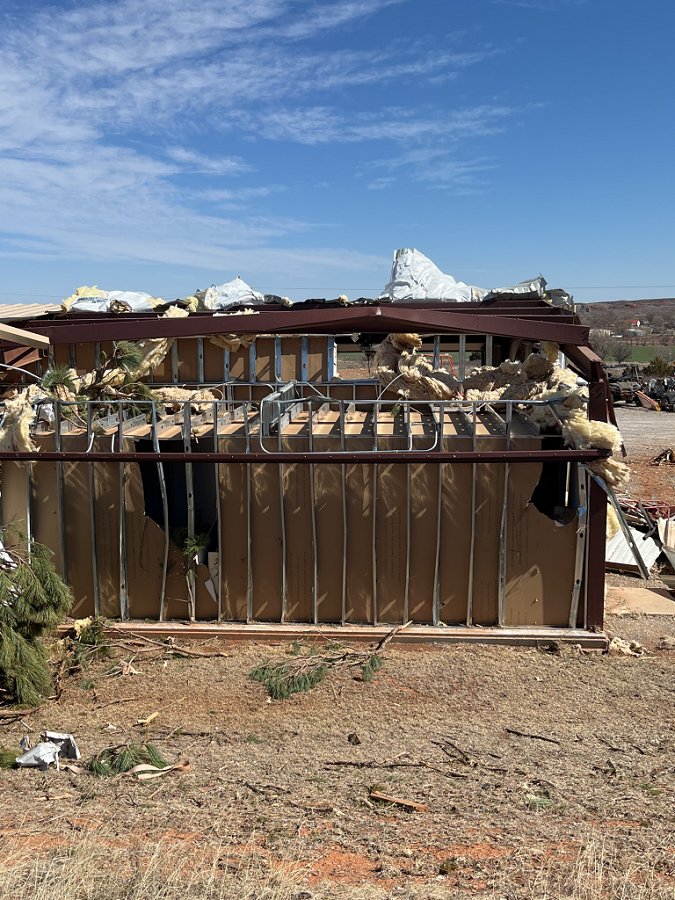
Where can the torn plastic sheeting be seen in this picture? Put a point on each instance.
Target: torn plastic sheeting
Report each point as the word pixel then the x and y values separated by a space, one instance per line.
pixel 415 277
pixel 53 745
pixel 533 289
pixel 94 300
pixel 231 293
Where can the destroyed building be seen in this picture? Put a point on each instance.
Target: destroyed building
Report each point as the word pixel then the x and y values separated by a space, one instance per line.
pixel 205 459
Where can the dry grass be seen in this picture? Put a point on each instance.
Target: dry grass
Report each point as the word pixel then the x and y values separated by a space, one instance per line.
pixel 95 870
pixel 598 874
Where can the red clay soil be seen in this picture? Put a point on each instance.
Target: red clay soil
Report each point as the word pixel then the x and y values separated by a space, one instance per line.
pixel 264 783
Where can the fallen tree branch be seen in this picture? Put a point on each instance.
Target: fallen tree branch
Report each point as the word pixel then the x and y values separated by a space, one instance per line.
pixel 372 764
pixel 534 737
pixel 301 672
pixel 167 646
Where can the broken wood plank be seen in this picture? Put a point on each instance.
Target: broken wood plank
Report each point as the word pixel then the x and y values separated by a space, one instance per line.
pixel 398 801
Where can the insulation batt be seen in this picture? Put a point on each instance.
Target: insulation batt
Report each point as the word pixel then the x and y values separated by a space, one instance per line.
pixel 396 361
pixel 537 378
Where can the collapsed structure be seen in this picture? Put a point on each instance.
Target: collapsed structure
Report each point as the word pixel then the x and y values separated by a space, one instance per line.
pixel 204 459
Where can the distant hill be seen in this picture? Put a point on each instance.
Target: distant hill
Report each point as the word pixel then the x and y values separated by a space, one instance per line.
pixel 620 312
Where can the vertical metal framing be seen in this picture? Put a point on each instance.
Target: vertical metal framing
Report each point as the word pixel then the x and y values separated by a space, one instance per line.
pixel 72 356
pixel 472 544
pixel 174 362
pixel 503 529
pixel 331 358
pixel 249 549
pixel 92 519
pixel 124 584
pixel 59 493
pixel 219 524
pixel 29 509
pixel 373 494
pixel 436 599
pixel 200 360
pixel 488 350
pixel 344 543
pixel 252 362
pixel 436 611
pixel 226 365
pixel 304 354
pixel 282 522
pixel 277 359
pixel 190 497
pixel 315 567
pixel 408 500
pixel 437 352
pixel 462 357
pixel 97 355
pixel 165 514
pixel 580 549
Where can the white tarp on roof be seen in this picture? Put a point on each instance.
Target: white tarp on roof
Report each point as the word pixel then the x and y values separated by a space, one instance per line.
pixel 232 293
pixel 415 277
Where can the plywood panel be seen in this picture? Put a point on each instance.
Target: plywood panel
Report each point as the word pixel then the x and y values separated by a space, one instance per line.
pixel 423 518
pixel 330 536
pixel 297 509
pixel 45 512
pixel 214 365
pixel 266 542
pixel 264 366
pixel 76 517
pixel 539 558
pixel 234 547
pixel 106 482
pixel 359 481
pixel 391 540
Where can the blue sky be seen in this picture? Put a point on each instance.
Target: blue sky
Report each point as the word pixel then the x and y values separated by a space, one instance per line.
pixel 163 145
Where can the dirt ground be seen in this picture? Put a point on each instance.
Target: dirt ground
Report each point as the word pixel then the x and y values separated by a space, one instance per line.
pixel 285 785
pixel 646 433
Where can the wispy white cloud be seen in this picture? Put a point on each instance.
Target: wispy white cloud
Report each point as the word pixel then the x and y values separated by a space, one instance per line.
pixel 546 5
pixel 106 108
pixel 193 161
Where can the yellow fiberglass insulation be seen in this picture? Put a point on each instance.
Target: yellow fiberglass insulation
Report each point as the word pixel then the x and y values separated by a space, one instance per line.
pixel 581 432
pixel 173 398
pixel 409 374
pixel 612 527
pixel 19 415
pixel 538 378
pixel 234 342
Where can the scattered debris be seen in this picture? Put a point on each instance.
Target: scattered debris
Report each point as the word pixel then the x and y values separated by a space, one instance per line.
pixel 145 722
pixel 665 458
pixel 53 745
pixel 666 643
pixel 146 772
pixel 628 648
pixel 126 757
pixel 354 739
pixel 122 668
pixel 375 794
pixel 535 737
pixel 303 672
